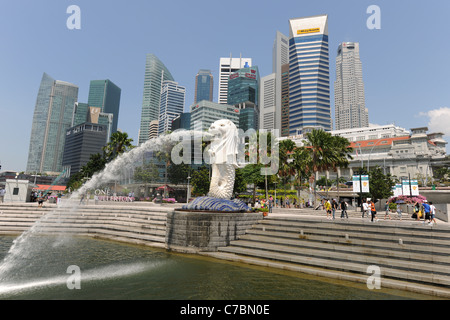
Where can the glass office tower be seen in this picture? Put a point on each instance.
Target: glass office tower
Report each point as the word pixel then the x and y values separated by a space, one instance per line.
pixel 104 94
pixel 309 80
pixel 52 117
pixel 243 93
pixel 155 73
pixel 171 106
pixel 203 86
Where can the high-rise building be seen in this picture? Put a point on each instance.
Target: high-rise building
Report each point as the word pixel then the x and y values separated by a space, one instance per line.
pixel 153 131
pixel 285 100
pixel 309 80
pixel 104 94
pixel 155 73
pixel 204 83
pixel 84 140
pixel 243 93
pixel 182 121
pixel 350 106
pixel 228 66
pixel 267 102
pixel 84 113
pixel 204 113
pixel 171 105
pixel 52 117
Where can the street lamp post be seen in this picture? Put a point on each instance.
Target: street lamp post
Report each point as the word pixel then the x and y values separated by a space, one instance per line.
pixel 188 195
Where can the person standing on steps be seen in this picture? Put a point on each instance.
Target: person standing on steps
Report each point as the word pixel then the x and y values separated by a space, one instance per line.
pixel 373 211
pixel 344 209
pixel 432 214
pixel 327 205
pixel 365 209
pixel 387 213
pixel 334 207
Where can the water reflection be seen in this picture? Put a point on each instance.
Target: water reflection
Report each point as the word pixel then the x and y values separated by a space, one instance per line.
pixel 111 270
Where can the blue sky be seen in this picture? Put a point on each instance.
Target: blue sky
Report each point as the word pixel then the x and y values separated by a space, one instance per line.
pixel 405 63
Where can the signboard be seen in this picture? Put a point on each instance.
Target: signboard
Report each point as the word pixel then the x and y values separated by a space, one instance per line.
pixel 364 184
pixel 312 30
pixel 397 190
pixel 410 191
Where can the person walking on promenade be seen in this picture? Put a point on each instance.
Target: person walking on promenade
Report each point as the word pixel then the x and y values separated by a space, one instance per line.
pixel 334 207
pixel 387 211
pixel 270 204
pixel 344 209
pixel 432 214
pixel 426 210
pixel 327 207
pixel 365 209
pixel 373 211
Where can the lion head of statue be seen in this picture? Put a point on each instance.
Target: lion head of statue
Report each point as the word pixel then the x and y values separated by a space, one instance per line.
pixel 224 144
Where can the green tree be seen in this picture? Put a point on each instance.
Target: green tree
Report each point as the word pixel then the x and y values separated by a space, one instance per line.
pixel 146 173
pixel 301 165
pixel 178 173
pixel 118 144
pixel 380 184
pixel 286 164
pixel 326 152
pixel 200 181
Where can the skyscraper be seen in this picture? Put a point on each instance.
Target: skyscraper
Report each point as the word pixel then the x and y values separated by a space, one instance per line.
pixel 309 81
pixel 226 68
pixel 155 73
pixel 243 93
pixel 203 86
pixel 271 85
pixel 52 117
pixel 171 105
pixel 267 102
pixel 104 94
pixel 350 106
pixel 83 140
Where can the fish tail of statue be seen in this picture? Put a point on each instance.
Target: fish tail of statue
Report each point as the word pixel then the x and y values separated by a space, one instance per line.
pixel 222 181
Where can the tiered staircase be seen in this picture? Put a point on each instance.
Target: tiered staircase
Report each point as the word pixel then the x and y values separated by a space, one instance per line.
pixel 409 254
pixel 133 224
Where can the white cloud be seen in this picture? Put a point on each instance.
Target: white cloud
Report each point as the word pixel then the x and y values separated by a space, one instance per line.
pixel 439 120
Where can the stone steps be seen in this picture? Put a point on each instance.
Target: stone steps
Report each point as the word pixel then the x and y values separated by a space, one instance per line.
pixel 408 253
pixel 122 223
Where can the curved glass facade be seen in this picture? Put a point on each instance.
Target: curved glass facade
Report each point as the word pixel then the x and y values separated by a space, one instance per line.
pixel 52 117
pixel 155 73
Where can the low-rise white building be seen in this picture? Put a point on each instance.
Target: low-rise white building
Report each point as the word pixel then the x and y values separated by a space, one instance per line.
pixel 402 153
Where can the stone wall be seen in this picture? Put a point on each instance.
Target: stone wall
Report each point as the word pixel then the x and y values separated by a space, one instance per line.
pixel 203 231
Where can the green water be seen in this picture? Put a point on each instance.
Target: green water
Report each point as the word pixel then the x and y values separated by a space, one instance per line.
pixel 111 270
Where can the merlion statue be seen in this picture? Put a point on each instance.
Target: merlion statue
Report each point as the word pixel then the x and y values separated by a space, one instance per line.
pixel 223 153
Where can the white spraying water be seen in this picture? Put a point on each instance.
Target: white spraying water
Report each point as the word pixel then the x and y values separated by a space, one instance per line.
pixel 27 246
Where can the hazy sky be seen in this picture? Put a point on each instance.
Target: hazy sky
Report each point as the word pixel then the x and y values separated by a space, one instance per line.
pixel 405 63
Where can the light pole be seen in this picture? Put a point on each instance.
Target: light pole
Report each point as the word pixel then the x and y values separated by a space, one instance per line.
pixel 188 195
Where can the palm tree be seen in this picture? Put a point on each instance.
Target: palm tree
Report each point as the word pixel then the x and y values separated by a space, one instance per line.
pixel 319 146
pixel 342 151
pixel 327 152
pixel 301 164
pixel 286 167
pixel 118 144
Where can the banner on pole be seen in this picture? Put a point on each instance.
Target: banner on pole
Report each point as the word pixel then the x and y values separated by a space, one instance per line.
pixel 410 187
pixel 363 186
